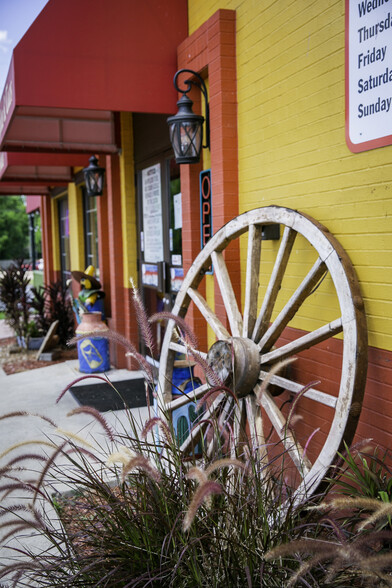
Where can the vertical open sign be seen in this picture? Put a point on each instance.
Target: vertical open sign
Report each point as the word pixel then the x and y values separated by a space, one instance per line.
pixel 205 208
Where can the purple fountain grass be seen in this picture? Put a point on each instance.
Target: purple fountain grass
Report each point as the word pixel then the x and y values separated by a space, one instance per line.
pixel 24 457
pixel 97 415
pixel 83 451
pixel 225 462
pixel 22 508
pixel 309 440
pixel 15 523
pixel 338 555
pixel 106 380
pixel 157 421
pixel 211 376
pixel 40 442
pixel 198 474
pixel 46 468
pixel 248 576
pixel 214 390
pixel 380 509
pixel 297 399
pixel 18 485
pixel 201 475
pixel 142 463
pixel 142 319
pixel 272 372
pixel 26 413
pixel 204 491
pixel 25 526
pixel 19 566
pixel 336 529
pixel 190 337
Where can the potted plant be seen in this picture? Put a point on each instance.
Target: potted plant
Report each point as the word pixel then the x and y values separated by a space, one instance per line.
pixel 35 335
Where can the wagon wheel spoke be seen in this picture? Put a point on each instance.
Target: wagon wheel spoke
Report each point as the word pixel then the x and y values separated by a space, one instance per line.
pixel 286 314
pixel 252 279
pixel 238 426
pixel 302 343
pixel 195 394
pixel 179 348
pixel 219 329
pixel 256 430
pixel 227 292
pixel 295 387
pixel 287 437
pixel 275 283
pixel 223 424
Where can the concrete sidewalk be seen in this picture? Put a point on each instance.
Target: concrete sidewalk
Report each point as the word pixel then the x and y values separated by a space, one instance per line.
pixel 35 392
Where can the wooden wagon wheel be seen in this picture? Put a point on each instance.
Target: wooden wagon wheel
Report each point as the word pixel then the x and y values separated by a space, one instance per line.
pixel 247 349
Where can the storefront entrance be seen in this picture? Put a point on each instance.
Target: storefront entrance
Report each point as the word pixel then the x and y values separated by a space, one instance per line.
pixel 160 234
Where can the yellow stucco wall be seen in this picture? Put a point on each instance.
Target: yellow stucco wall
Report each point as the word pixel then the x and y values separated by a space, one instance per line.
pixel 76 242
pixel 291 137
pixel 128 201
pixel 55 234
pixel 76 229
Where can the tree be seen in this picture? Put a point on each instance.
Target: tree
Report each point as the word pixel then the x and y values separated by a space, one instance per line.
pixel 14 228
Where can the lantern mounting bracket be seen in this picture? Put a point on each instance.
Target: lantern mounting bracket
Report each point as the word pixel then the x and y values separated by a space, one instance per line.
pixel 186 127
pixel 201 85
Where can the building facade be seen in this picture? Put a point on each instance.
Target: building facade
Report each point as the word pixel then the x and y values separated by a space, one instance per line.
pixel 278 77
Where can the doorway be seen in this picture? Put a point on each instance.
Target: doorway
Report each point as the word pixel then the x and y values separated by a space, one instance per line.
pixel 160 244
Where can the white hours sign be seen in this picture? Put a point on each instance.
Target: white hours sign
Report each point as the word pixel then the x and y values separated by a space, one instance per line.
pixel 368 74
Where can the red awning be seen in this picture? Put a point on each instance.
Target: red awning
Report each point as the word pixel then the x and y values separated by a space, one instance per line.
pixel 33 203
pixel 80 62
pixel 18 188
pixel 40 168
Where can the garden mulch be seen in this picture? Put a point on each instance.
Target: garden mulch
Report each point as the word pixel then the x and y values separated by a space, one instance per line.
pixel 14 360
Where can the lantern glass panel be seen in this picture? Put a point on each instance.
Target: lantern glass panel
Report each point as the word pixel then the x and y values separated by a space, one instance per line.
pixel 94 182
pixel 186 139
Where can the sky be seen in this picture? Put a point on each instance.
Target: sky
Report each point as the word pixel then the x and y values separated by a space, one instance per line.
pixel 16 17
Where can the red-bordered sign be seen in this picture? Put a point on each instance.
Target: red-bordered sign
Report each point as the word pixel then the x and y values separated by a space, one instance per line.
pixel 368 74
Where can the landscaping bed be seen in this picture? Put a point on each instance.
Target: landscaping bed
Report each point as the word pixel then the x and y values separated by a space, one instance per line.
pixel 14 360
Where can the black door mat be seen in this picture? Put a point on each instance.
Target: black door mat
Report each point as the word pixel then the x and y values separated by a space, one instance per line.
pixel 102 397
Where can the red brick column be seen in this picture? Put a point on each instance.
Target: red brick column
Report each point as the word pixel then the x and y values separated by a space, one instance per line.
pixel 50 275
pixel 117 320
pixel 103 248
pixel 211 51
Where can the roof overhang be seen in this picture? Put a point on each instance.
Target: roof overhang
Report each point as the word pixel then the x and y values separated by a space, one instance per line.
pixel 79 63
pixel 21 188
pixel 40 168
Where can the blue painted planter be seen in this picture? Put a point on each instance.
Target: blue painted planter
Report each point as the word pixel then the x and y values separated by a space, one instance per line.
pixel 185 416
pixel 93 355
pixel 93 350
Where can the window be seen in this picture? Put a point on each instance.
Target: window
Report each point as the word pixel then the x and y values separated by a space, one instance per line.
pixel 65 257
pixel 91 231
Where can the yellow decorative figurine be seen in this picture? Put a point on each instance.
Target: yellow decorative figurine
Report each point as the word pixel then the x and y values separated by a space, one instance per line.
pixel 93 350
pixel 90 298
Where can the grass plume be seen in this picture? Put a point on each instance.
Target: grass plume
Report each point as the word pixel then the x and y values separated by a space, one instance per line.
pixel 97 416
pixel 142 318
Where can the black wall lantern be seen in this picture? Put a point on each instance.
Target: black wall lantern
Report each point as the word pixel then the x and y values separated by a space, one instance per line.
pixel 94 176
pixel 186 127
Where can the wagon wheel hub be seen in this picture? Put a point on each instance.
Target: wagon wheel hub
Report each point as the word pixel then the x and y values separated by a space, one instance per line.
pixel 237 364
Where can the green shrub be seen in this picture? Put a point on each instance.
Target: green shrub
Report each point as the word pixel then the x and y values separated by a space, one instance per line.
pixel 14 295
